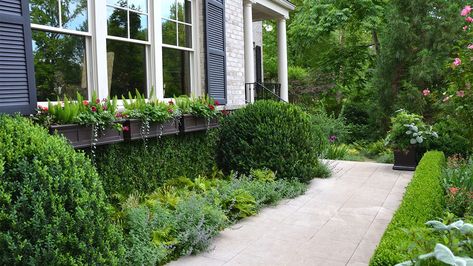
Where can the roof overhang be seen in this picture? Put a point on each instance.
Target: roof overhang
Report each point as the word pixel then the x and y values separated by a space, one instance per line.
pixel 271 9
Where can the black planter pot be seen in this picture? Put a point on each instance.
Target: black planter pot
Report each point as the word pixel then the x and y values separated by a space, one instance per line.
pixel 190 123
pixel 155 129
pixel 405 160
pixel 82 136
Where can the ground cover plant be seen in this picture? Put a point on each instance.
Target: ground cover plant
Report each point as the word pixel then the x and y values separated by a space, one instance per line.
pixel 183 216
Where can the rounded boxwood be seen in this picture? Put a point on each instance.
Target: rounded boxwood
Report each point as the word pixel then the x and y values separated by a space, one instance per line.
pixel 53 209
pixel 272 135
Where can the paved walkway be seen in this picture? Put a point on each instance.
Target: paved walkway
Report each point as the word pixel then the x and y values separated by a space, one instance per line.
pixel 339 221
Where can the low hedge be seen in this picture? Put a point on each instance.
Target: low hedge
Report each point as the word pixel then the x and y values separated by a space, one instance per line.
pixel 53 209
pixel 423 201
pixel 132 167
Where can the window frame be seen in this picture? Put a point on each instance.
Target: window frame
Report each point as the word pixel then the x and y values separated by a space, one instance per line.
pixel 88 43
pixel 96 48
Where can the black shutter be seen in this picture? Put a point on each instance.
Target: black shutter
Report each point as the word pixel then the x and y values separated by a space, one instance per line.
pixel 215 46
pixel 17 84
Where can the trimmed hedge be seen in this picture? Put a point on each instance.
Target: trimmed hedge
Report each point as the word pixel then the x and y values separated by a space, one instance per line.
pixel 53 209
pixel 272 135
pixel 423 201
pixel 132 167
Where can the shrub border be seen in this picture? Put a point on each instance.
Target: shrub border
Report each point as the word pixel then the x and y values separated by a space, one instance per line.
pixel 422 202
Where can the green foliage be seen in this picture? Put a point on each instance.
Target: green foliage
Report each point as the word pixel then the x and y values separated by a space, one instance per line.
pixel 182 217
pixel 458 185
pixel 129 167
pixel 102 113
pixel 422 202
pixel 270 135
pixel 408 129
pixel 201 107
pixel 337 152
pixel 453 137
pixel 451 244
pixel 53 207
pixel 151 110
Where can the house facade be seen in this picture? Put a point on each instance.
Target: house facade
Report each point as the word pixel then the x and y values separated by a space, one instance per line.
pixel 167 48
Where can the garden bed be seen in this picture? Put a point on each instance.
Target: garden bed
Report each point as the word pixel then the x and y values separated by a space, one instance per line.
pixel 191 123
pixel 137 129
pixel 80 136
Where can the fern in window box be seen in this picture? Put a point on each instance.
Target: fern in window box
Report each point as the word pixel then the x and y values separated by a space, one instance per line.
pixel 150 118
pixel 84 123
pixel 198 113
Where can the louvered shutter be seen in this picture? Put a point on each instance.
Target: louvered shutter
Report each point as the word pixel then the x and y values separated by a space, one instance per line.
pixel 215 46
pixel 17 84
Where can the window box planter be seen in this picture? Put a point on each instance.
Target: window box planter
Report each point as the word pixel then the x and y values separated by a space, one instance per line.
pixel 190 123
pixel 155 129
pixel 80 136
pixel 405 160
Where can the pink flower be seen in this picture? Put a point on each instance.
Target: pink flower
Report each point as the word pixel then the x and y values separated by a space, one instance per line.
pixel 426 92
pixel 461 94
pixel 466 10
pixel 469 19
pixel 470 46
pixel 171 102
pixel 217 102
pixel 85 102
pixel 104 107
pixel 453 190
pixel 446 99
pixel 465 28
pixel 457 62
pixel 97 101
pixel 126 129
pixel 94 109
pixel 104 99
pixel 119 115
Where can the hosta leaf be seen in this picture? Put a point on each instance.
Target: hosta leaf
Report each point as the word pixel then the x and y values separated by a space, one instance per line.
pixel 413 141
pixel 420 139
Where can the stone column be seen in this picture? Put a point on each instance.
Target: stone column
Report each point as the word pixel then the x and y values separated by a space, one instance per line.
pixel 249 52
pixel 282 59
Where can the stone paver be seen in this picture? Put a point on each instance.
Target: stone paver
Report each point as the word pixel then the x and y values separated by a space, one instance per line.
pixel 339 221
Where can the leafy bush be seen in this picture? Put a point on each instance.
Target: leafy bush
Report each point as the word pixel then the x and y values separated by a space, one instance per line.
pixel 53 207
pixel 422 202
pixel 183 216
pixel 131 167
pixel 453 137
pixel 407 130
pixel 271 135
pixel 458 185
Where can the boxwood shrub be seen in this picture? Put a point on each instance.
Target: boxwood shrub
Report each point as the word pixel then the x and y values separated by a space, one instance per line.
pixel 423 201
pixel 132 167
pixel 53 208
pixel 271 135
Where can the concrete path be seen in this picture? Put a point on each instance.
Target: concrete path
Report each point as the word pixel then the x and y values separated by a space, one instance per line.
pixel 339 221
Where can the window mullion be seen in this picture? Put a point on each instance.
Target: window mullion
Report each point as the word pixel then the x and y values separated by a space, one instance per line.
pixel 100 47
pixel 59 3
pixel 157 49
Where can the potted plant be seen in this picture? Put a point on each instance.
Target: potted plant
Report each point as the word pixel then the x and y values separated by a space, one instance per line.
pixel 199 114
pixel 149 118
pixel 84 123
pixel 406 138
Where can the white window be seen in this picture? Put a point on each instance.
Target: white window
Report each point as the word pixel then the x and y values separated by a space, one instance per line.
pixel 61 43
pixel 114 47
pixel 177 51
pixel 128 47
